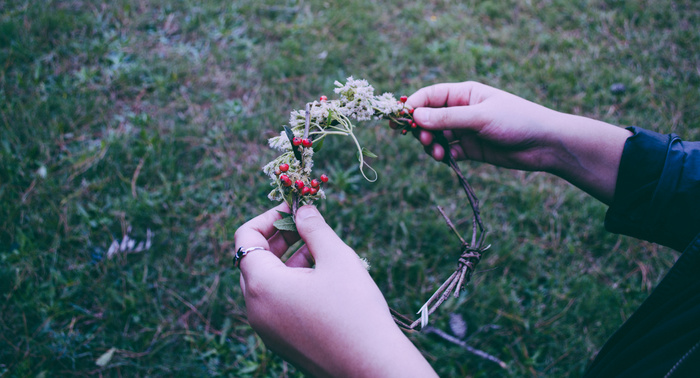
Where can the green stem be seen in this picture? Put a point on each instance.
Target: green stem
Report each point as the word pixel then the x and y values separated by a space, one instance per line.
pixel 324 133
pixel 362 160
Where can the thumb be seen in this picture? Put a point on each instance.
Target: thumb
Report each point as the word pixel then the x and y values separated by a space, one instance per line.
pixel 320 238
pixel 456 117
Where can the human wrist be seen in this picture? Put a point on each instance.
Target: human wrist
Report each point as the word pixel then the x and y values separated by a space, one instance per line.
pixel 549 141
pixel 587 153
pixel 386 353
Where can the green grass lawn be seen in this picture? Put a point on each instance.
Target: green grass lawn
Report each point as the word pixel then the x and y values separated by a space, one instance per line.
pixel 150 118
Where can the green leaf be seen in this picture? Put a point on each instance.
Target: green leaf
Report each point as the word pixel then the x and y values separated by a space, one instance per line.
pixel 318 145
pixel 290 135
pixel 286 224
pixel 368 153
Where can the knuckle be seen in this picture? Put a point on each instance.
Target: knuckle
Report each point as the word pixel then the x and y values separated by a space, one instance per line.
pixel 243 232
pixel 443 117
pixel 239 233
pixel 427 118
pixel 313 226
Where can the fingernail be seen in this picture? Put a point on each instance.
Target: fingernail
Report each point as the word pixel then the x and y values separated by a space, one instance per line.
pixel 307 211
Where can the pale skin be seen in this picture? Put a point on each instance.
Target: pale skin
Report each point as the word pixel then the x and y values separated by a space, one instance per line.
pixel 331 320
pixel 321 309
pixel 487 124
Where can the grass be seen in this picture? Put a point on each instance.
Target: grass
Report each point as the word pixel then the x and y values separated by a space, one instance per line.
pixel 131 116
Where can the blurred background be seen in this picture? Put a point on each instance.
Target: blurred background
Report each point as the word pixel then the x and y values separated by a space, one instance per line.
pixel 133 132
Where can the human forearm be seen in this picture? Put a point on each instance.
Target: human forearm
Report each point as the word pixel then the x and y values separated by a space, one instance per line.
pixel 587 153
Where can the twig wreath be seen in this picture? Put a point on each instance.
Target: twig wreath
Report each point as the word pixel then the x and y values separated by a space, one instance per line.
pixel 292 180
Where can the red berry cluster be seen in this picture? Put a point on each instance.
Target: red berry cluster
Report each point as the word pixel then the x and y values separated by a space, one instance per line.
pixel 406 120
pixel 305 190
pixel 302 142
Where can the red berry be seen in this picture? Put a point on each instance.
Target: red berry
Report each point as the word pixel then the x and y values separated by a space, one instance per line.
pixel 410 111
pixel 306 143
pixel 403 99
pixel 305 191
pixel 413 125
pixel 277 172
pixel 315 183
pixel 324 98
pixel 299 184
pixel 284 167
pixel 402 112
pixel 404 132
pixel 296 141
pixel 324 178
pixel 313 191
pixel 285 180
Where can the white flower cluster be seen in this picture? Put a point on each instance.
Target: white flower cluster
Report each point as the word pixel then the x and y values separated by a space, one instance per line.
pixel 357 101
pixel 360 103
pixel 386 104
pixel 357 96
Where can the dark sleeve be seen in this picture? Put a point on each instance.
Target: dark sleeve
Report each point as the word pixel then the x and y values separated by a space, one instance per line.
pixel 657 195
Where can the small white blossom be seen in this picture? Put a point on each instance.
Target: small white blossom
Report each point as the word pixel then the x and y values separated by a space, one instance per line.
pixel 280 143
pixel 297 119
pixel 308 159
pixel 276 195
pixel 269 169
pixel 365 263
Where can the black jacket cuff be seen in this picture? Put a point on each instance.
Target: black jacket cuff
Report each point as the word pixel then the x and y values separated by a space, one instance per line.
pixel 656 195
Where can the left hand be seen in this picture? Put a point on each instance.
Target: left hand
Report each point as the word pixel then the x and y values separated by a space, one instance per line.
pixel 330 320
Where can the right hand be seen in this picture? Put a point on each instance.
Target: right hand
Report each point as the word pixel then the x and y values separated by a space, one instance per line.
pixel 486 124
pixel 483 123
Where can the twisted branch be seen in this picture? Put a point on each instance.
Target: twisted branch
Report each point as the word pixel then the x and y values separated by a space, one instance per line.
pixel 470 253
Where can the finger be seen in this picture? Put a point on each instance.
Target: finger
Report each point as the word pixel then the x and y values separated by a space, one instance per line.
pixel 442 95
pixel 301 258
pixel 462 117
pixel 257 231
pixel 449 135
pixel 458 153
pixel 438 152
pixel 281 241
pixel 426 137
pixel 323 244
pixel 258 265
